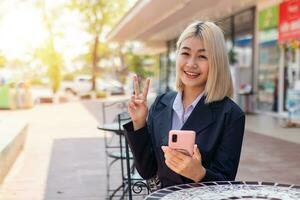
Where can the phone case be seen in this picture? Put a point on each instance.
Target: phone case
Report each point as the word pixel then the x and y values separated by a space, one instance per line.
pixel 185 141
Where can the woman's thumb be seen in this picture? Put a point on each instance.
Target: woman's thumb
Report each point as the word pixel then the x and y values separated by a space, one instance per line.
pixel 196 154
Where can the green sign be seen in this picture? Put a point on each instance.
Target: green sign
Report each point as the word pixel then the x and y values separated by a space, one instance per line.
pixel 268 18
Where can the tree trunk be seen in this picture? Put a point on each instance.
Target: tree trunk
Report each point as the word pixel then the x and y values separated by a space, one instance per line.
pixel 95 61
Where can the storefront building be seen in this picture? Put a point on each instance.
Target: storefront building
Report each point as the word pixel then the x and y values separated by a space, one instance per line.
pixel 264 58
pixel 278 75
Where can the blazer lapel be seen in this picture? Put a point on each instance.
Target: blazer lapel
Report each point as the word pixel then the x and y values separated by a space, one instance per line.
pixel 164 121
pixel 164 118
pixel 200 118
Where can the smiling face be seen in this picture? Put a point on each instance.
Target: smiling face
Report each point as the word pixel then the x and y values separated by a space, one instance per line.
pixel 192 64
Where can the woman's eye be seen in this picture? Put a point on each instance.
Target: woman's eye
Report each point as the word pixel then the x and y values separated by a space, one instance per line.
pixel 184 53
pixel 203 57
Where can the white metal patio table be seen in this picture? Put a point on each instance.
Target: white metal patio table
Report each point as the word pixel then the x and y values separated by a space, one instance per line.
pixel 226 190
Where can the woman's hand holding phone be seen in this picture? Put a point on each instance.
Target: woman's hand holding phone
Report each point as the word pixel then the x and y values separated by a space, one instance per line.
pixel 137 105
pixel 185 165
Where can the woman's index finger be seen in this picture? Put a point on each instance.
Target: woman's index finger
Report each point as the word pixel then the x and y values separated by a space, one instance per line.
pixel 136 86
pixel 146 88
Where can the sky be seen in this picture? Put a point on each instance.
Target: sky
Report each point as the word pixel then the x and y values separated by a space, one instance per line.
pixel 22 30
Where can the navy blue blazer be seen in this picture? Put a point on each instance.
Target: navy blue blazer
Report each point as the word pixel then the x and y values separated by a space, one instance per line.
pixel 219 128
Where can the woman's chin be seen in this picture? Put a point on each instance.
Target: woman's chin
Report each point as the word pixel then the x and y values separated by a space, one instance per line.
pixel 194 84
pixel 190 82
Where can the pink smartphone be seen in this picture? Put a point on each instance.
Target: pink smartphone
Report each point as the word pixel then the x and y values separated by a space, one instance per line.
pixel 182 141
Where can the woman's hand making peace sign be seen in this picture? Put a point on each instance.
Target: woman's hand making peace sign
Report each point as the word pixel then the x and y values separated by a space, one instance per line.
pixel 137 105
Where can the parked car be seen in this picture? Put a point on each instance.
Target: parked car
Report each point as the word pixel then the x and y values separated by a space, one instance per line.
pixel 111 86
pixel 82 85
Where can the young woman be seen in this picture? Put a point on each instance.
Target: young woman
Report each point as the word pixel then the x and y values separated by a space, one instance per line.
pixel 202 103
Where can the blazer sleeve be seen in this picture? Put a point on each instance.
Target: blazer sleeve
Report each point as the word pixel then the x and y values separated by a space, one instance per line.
pixel 226 160
pixel 140 143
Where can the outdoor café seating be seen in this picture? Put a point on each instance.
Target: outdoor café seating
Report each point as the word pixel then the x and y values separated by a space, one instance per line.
pixel 117 151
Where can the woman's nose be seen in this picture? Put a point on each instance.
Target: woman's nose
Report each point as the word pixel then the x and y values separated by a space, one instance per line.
pixel 191 62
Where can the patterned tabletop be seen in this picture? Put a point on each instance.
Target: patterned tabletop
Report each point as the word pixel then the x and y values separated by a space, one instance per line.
pixel 227 190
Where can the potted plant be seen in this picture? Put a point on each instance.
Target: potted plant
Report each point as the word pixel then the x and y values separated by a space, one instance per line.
pixel 232 57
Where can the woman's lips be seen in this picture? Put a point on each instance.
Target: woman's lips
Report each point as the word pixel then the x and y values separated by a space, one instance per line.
pixel 191 75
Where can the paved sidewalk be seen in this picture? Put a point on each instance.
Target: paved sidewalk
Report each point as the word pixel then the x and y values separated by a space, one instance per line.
pixel 64 156
pixel 269 159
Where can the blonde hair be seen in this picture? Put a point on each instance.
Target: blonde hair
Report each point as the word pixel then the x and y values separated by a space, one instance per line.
pixel 219 82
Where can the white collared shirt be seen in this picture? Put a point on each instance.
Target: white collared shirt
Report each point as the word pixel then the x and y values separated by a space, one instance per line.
pixel 180 115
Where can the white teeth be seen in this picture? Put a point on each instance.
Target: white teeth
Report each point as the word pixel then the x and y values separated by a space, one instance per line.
pixel 191 74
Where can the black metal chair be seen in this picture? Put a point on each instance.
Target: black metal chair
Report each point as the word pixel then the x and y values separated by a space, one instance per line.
pixel 114 149
pixel 117 149
pixel 133 183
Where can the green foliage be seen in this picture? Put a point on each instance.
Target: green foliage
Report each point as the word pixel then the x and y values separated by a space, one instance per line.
pixel 137 66
pixel 53 60
pixel 232 56
pixel 102 48
pixel 47 53
pixel 2 61
pixel 98 15
pixel 100 94
pixel 68 77
pixel 105 51
pixel 55 77
pixel 36 81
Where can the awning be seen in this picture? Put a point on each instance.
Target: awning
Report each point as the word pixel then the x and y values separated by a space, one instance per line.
pixel 154 22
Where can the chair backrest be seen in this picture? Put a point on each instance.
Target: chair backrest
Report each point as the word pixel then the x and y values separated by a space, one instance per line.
pixel 122 118
pixel 111 109
pixel 110 117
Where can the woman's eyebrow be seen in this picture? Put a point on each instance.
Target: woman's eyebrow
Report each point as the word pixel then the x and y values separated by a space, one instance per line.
pixel 186 48
pixel 189 49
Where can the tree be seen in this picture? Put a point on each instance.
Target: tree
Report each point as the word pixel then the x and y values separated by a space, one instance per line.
pixel 106 52
pixel 98 15
pixel 53 60
pixel 136 64
pixel 47 53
